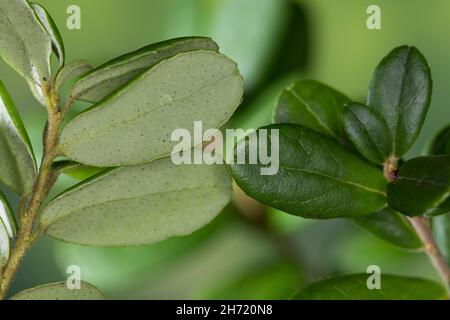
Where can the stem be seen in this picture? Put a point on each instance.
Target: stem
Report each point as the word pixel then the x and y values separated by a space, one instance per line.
pixel 422 228
pixel 27 234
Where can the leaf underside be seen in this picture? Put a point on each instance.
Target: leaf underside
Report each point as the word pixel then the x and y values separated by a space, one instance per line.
pixel 139 204
pixel 60 291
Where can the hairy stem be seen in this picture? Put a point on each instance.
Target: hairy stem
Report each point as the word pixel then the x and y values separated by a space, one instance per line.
pixel 28 234
pixel 431 248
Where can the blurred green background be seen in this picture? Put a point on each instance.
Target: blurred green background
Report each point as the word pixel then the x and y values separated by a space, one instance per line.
pixel 267 254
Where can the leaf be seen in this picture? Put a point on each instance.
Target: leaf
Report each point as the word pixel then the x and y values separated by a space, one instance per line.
pixel 52 30
pixel 71 71
pixel 24 44
pixel 401 92
pixel 17 164
pixel 391 226
pixel 192 86
pixel 422 186
pixel 139 204
pixel 441 232
pixel 112 75
pixel 441 144
pixel 317 178
pixel 7 216
pixel 60 291
pixel 4 245
pixel 368 132
pixel 354 287
pixel 312 105
pixel 76 170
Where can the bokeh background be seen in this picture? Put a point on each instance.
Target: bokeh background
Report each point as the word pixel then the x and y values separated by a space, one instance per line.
pixel 248 251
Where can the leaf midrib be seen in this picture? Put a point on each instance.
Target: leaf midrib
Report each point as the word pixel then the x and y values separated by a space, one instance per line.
pixel 218 186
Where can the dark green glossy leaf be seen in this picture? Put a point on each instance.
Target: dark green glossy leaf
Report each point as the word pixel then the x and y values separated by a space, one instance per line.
pixel 401 92
pixel 441 231
pixel 52 30
pixel 368 132
pixel 192 86
pixel 105 79
pixel 138 204
pixel 317 178
pixel 60 291
pixel 441 144
pixel 70 71
pixel 312 105
pixel 7 216
pixel 354 287
pixel 422 186
pixel 24 43
pixel 17 164
pixel 391 226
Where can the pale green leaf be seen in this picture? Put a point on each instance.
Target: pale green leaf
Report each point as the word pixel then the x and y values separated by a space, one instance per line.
pixel 24 43
pixel 105 79
pixel 60 291
pixel 441 231
pixel 70 71
pixel 17 164
pixel 4 245
pixel 192 86
pixel 7 216
pixel 52 30
pixel 139 204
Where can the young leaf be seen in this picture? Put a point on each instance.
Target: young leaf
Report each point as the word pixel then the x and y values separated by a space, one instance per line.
pixel 4 245
pixel 391 226
pixel 441 144
pixel 7 216
pixel 76 170
pixel 422 186
pixel 312 105
pixel 52 30
pixel 354 287
pixel 71 71
pixel 192 86
pixel 60 291
pixel 441 231
pixel 139 204
pixel 17 164
pixel 105 79
pixel 24 44
pixel 368 132
pixel 317 178
pixel 401 92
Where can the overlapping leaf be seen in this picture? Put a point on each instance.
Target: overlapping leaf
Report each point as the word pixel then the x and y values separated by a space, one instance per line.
pixel 139 204
pixel 391 226
pixel 24 44
pixel 368 132
pixel 422 186
pixel 192 86
pixel 52 30
pixel 401 92
pixel 60 291
pixel 17 164
pixel 317 178
pixel 71 71
pixel 313 105
pixel 105 79
pixel 4 245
